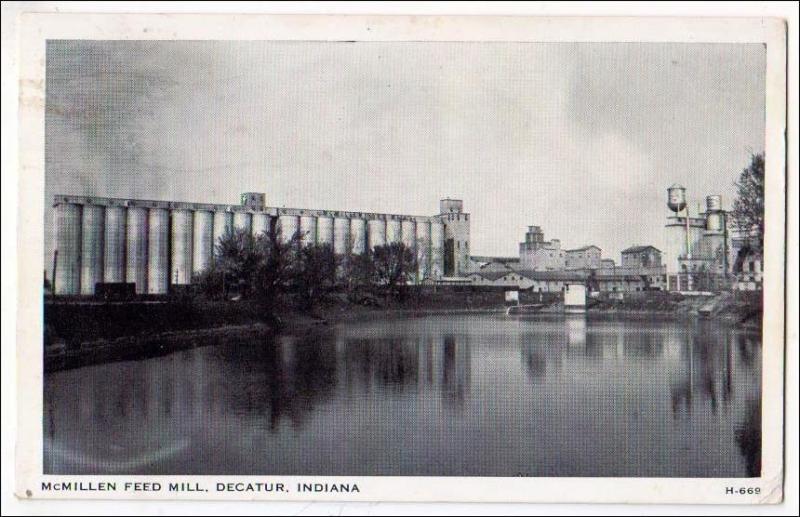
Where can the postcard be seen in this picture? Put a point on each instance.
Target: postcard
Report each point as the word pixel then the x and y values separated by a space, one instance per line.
pixel 398 258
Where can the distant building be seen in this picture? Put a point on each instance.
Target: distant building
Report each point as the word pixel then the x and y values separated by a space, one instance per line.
pixel 555 281
pixel 607 263
pixel 699 252
pixel 641 257
pixel 587 257
pixel 456 237
pixel 537 254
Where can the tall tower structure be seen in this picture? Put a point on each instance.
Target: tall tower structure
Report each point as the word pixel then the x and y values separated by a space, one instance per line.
pixel 456 236
pixel 716 234
pixel 684 254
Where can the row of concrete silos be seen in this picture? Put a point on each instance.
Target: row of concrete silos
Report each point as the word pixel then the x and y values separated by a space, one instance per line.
pixel 156 247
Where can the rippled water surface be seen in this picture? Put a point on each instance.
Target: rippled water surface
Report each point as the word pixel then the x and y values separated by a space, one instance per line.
pixel 451 395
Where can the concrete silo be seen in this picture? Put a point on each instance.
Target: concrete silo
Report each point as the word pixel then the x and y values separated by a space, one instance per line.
pixel 181 264
pixel 202 240
pixel 158 251
pixel 67 272
pixel 715 216
pixel 242 221
pixel 325 230
pixel 437 249
pixel 358 236
pixel 715 238
pixel 393 231
pixel 223 225
pixel 114 244
pixel 92 236
pixel 341 235
pixel 260 224
pixel 376 233
pixel 308 230
pixel 289 225
pixel 423 246
pixel 136 249
pixel 408 234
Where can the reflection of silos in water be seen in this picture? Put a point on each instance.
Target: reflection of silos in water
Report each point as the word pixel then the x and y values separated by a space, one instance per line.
pixel 181 268
pixel 393 231
pixel 341 236
pixel 308 230
pixel 223 225
pixel 289 225
pixel 92 234
pixel 68 246
pixel 358 236
pixel 437 249
pixel 423 249
pixel 114 245
pixel 158 251
pixel 242 221
pixel 260 224
pixel 203 240
pixel 136 246
pixel 376 233
pixel 325 230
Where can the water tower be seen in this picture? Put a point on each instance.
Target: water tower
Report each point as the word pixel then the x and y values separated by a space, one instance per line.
pixel 676 198
pixel 678 234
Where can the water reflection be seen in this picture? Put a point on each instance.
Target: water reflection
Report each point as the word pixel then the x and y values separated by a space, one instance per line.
pixel 437 396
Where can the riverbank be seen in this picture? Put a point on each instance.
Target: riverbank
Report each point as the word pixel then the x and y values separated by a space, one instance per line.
pixel 742 309
pixel 86 332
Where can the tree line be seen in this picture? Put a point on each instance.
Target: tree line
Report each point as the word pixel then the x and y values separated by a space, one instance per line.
pixel 268 267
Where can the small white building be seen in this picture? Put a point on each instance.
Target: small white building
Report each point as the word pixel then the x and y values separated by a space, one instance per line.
pixel 574 298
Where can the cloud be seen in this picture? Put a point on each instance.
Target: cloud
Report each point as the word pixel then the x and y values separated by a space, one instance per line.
pixel 582 139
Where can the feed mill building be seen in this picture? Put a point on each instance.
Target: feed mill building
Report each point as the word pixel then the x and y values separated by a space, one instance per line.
pixel 156 244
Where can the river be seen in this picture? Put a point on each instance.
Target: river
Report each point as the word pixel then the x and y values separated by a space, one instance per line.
pixel 477 395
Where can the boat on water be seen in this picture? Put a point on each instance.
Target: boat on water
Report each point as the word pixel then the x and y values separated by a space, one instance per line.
pixel 524 309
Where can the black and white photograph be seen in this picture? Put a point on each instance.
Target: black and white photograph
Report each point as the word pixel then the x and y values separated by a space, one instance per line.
pixel 293 265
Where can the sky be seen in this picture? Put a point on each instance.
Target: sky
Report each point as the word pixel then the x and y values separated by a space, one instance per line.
pixel 582 139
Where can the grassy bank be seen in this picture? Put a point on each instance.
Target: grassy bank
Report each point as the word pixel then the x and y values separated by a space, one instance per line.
pixel 741 308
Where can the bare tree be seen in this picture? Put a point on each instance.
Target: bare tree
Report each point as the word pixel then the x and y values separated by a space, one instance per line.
pixel 748 208
pixel 359 275
pixel 314 273
pixel 237 258
pixel 274 276
pixel 395 265
pixel 253 267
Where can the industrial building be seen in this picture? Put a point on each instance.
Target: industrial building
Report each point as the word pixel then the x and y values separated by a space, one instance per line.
pixel 158 244
pixel 706 251
pixel 586 257
pixel 537 254
pixel 641 257
pixel 557 281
